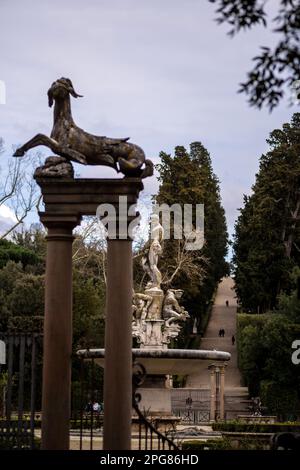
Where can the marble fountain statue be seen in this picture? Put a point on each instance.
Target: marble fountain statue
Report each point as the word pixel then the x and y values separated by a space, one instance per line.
pixel 157 320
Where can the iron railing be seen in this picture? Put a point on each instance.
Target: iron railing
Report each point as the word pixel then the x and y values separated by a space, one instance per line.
pixel 149 436
pixel 19 380
pixel 145 430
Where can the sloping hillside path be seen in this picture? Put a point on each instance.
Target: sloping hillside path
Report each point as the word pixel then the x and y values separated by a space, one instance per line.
pixel 222 317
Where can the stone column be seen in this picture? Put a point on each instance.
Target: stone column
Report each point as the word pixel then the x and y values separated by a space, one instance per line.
pixel 212 392
pixel 217 381
pixel 222 391
pixel 66 200
pixel 56 395
pixel 118 347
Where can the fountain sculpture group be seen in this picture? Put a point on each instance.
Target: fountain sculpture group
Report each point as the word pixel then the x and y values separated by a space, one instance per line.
pixel 156 314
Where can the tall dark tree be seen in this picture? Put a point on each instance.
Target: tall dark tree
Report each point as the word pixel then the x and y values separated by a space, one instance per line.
pixel 188 178
pixel 267 237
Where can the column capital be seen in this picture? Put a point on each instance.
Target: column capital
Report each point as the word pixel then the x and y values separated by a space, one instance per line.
pixel 60 226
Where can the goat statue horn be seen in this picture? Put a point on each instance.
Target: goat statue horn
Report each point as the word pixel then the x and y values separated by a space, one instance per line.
pixel 73 93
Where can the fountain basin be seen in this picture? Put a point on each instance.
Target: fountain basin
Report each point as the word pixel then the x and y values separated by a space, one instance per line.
pixel 159 363
pixel 165 361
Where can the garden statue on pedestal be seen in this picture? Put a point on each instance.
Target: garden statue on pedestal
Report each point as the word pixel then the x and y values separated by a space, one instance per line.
pixel 66 201
pixel 74 144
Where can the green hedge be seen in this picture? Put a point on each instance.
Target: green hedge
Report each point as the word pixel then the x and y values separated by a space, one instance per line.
pixel 9 445
pixel 87 424
pixel 278 399
pixel 238 426
pixel 264 346
pixel 245 319
pixel 37 422
pixel 74 424
pixel 245 443
pixel 210 444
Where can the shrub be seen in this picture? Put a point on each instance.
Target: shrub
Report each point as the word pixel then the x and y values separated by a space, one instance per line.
pixel 210 444
pixel 264 358
pixel 279 400
pixel 239 426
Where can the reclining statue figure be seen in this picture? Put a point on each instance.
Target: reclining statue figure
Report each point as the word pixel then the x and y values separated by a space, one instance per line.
pixel 172 311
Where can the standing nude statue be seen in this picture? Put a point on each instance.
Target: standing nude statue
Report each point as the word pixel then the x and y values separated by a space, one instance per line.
pixel 150 260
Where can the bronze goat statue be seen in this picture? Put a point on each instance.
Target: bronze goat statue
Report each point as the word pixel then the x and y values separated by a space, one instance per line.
pixel 73 143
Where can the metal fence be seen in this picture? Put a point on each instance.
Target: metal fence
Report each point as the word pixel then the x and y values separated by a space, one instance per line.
pixel 88 424
pixel 190 405
pixel 20 395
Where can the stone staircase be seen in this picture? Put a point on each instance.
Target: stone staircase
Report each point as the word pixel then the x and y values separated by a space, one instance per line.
pixel 223 317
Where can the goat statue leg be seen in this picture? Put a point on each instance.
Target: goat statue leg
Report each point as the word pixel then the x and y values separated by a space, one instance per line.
pixel 39 139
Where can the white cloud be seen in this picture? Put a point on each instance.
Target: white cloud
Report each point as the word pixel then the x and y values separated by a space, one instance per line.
pixel 7 213
pixel 7 218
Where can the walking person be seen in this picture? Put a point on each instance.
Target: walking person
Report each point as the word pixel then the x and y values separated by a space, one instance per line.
pixel 89 407
pixel 233 340
pixel 96 407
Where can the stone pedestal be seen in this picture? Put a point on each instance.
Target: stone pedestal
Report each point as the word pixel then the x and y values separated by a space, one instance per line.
pixel 156 403
pixel 66 201
pixel 153 335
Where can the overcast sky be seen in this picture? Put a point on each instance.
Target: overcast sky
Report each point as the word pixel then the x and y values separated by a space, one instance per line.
pixel 161 72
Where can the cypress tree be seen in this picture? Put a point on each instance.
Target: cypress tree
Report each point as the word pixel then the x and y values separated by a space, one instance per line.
pixel 188 178
pixel 267 237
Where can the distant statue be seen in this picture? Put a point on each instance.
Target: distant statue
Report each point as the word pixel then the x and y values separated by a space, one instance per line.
pixel 74 144
pixel 256 406
pixel 172 311
pixel 141 304
pixel 195 329
pixel 150 260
